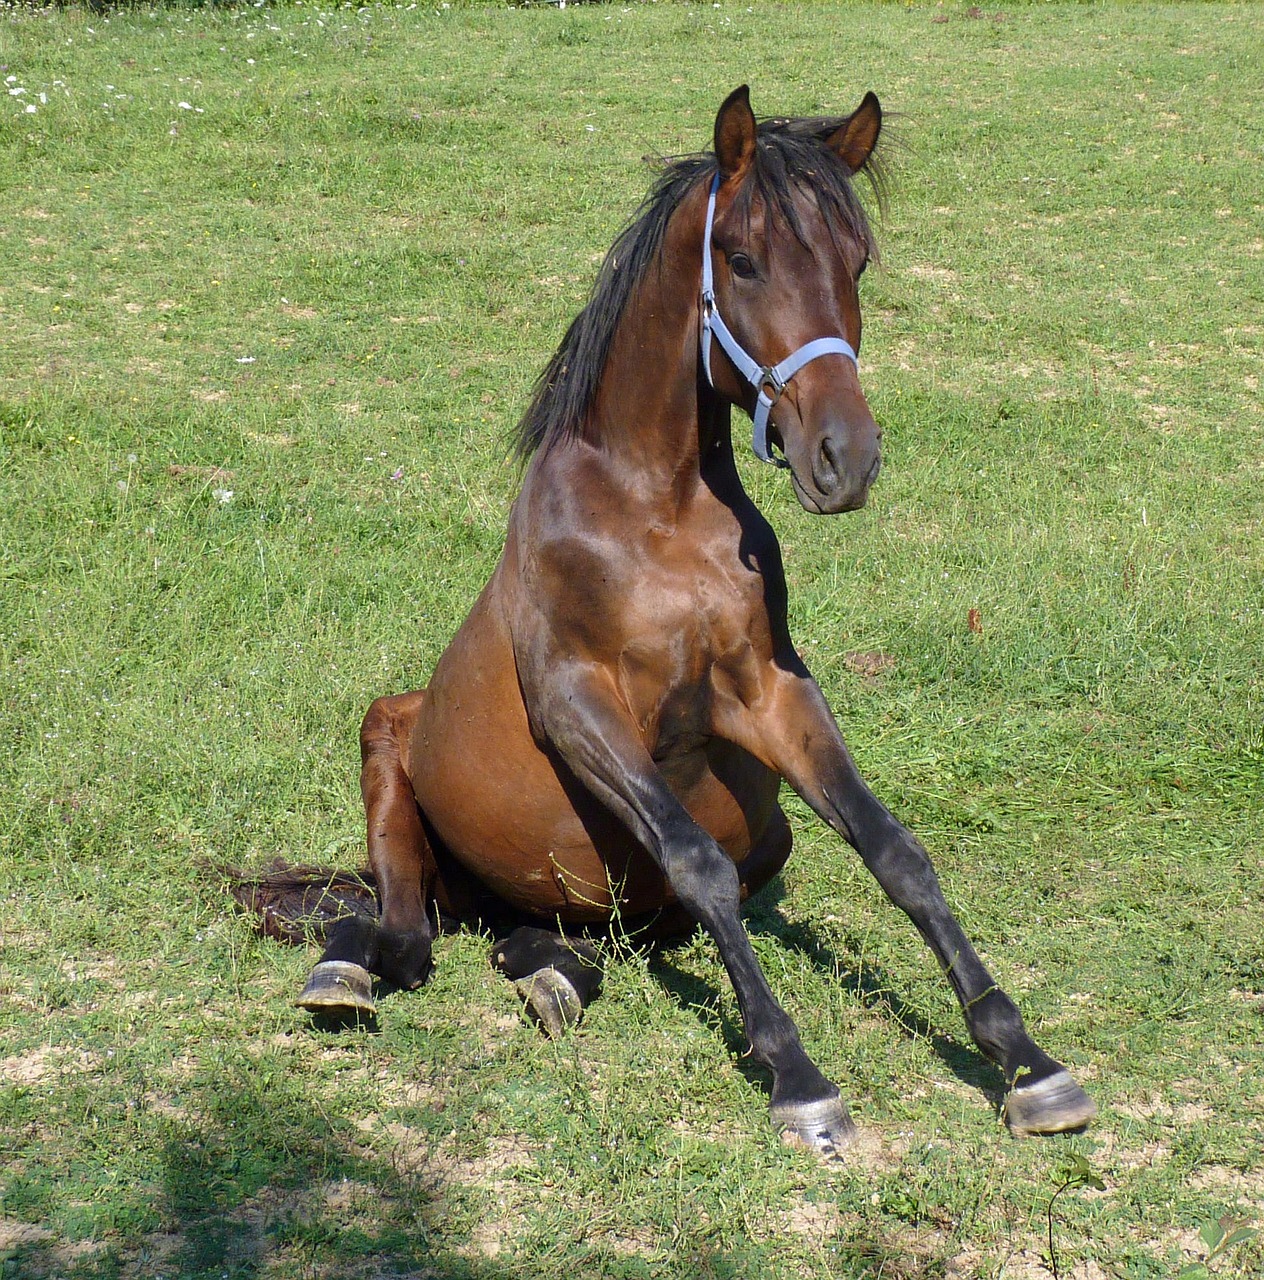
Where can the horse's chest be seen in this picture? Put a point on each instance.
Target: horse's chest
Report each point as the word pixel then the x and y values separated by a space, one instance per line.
pixel 694 642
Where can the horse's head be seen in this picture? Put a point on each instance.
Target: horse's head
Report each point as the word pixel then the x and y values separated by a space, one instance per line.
pixel 787 246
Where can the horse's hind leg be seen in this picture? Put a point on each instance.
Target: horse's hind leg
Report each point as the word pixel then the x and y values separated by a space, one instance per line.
pixel 397 946
pixel 557 977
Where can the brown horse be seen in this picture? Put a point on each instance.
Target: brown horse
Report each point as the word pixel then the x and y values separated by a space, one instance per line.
pixel 607 732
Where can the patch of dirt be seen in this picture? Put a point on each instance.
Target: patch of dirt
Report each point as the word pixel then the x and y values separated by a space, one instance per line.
pixel 343 1200
pixel 1246 1187
pixel 1184 1240
pixel 397 1092
pixel 55 1258
pixel 1023 1264
pixel 636 1244
pixel 1155 1107
pixel 1027 1264
pixel 924 272
pixel 815 1220
pixel 869 664
pixel 487 1240
pixel 160 1105
pixel 724 1133
pixel 19 1235
pixel 152 1257
pixel 1117 1162
pixel 188 471
pixel 44 1062
pixel 107 971
pixel 875 1151
pixel 26 939
pixel 416 1153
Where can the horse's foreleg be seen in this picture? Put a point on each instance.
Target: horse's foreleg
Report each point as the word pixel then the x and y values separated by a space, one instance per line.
pixel 802 741
pixel 397 946
pixel 582 719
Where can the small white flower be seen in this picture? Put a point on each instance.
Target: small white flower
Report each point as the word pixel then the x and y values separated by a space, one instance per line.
pixel 222 495
pixel 245 359
pixel 31 108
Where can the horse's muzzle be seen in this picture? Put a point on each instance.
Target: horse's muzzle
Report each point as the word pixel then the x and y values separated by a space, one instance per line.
pixel 840 474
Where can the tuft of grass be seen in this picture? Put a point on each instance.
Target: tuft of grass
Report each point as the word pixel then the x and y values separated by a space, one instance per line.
pixel 274 284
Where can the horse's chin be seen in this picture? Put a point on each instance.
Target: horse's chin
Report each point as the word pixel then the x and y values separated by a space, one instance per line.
pixel 818 503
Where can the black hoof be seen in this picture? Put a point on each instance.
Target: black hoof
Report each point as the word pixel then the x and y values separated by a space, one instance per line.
pixel 1052 1105
pixel 551 999
pixel 822 1127
pixel 339 990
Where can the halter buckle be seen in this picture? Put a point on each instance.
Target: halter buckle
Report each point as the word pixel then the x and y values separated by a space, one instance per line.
pixel 771 384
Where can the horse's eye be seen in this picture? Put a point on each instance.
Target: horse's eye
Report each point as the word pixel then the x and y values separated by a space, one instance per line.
pixel 742 266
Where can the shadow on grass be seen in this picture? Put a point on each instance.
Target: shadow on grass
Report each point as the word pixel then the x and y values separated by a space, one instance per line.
pixel 262 1181
pixel 861 979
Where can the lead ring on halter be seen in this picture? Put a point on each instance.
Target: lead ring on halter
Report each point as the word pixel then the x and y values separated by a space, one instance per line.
pixel 762 377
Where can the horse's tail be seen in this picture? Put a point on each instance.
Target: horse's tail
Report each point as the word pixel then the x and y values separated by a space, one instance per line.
pixel 299 903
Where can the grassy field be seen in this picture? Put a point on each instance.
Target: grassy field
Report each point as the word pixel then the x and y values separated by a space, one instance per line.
pixel 274 284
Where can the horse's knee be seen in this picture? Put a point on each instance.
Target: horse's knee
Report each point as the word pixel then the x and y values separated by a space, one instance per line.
pixel 704 879
pixel 904 870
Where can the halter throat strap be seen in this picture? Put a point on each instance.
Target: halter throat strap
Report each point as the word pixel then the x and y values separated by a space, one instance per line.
pixel 769 381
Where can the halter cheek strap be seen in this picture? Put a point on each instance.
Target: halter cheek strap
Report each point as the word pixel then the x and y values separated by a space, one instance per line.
pixel 769 381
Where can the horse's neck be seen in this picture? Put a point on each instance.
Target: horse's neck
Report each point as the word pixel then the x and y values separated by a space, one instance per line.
pixel 650 415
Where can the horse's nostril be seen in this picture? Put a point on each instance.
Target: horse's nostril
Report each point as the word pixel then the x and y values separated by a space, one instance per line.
pixel 829 459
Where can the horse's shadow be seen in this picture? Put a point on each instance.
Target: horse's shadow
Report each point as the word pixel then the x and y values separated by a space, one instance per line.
pixel 860 978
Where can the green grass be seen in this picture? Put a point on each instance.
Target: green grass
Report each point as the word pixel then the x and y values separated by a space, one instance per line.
pixel 346 258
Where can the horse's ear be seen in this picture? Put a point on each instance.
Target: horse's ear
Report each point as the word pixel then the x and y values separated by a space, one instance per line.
pixel 854 140
pixel 735 133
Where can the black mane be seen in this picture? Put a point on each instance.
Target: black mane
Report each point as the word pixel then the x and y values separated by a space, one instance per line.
pixel 789 155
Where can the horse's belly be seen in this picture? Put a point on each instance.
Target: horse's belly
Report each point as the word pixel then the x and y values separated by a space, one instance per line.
pixel 515 816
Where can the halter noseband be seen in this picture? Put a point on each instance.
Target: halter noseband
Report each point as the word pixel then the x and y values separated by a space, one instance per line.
pixel 765 379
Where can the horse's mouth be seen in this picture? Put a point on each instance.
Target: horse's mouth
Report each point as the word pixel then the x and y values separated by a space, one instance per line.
pixel 838 498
